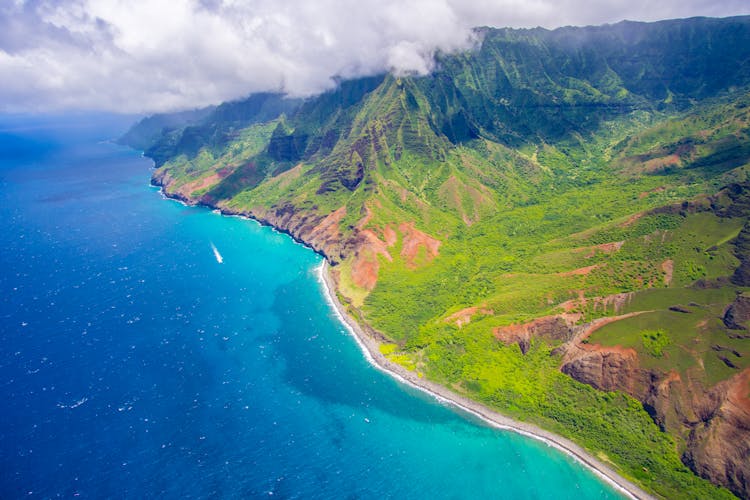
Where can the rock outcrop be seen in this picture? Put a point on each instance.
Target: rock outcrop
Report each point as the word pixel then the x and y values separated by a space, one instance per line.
pixel 557 327
pixel 737 315
pixel 715 422
pixel 608 369
pixel 719 446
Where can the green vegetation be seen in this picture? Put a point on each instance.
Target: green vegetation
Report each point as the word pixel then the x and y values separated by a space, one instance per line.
pixel 581 172
pixel 531 388
pixel 654 341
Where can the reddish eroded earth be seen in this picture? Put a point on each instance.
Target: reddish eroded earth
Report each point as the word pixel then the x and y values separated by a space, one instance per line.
pixel 327 230
pixel 365 265
pixel 189 188
pixel 632 219
pixel 719 443
pixel 557 327
pixel 606 368
pixel 413 239
pixel 390 236
pixel 463 317
pixel 739 391
pixel 368 247
pixel 668 267
pixel 581 271
pixel 714 420
pixel 586 330
pixel 606 248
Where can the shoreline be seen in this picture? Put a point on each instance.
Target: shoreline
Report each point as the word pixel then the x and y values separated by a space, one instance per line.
pixel 370 348
pixel 187 202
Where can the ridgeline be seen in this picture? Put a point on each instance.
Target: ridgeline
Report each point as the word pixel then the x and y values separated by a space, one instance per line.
pixel 554 224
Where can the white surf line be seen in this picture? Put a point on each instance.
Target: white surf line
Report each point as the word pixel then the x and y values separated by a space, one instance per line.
pixel 442 399
pixel 578 457
pixel 218 256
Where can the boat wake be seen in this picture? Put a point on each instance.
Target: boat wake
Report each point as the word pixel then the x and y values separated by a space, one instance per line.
pixel 218 256
pixel 73 405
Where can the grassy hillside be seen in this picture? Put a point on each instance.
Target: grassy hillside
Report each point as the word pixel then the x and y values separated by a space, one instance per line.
pixel 549 178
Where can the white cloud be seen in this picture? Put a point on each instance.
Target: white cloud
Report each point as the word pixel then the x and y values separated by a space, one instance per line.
pixel 155 55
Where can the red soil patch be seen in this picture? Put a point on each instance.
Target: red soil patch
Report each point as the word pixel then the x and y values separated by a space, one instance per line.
pixel 368 246
pixel 739 390
pixel 365 265
pixel 189 188
pixel 668 267
pixel 463 317
pixel 632 219
pixel 626 352
pixel 365 272
pixel 369 240
pixel 403 193
pixel 557 327
pixel 328 228
pixel 390 236
pixel 576 345
pixel 581 271
pixel 413 239
pixel 607 248
pixel 672 376
pixel 657 164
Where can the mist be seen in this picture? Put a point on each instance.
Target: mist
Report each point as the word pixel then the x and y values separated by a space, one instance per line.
pixel 167 55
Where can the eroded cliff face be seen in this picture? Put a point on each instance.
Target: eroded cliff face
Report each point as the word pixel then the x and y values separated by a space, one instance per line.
pixel 320 232
pixel 715 422
pixel 325 234
pixel 719 445
pixel 556 327
pixel 608 369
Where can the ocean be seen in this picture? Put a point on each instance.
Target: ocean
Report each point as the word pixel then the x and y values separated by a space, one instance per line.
pixel 151 349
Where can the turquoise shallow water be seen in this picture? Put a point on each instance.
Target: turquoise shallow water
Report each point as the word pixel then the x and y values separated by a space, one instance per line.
pixel 135 365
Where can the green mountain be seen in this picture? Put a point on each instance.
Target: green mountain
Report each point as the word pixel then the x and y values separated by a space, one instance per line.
pixel 554 223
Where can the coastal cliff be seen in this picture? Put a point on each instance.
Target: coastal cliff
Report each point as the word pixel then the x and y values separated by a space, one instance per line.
pixel 715 421
pixel 321 233
pixel 553 223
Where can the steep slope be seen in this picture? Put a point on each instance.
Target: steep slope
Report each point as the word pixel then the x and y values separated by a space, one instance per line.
pixel 496 219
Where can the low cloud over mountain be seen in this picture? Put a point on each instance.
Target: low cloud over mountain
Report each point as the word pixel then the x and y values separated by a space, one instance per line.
pixel 170 54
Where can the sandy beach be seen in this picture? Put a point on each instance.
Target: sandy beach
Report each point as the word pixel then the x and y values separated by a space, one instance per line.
pixel 370 348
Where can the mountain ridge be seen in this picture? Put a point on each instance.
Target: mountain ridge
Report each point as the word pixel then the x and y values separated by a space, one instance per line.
pixel 543 173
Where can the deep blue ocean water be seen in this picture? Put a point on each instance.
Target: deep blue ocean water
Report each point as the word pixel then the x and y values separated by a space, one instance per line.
pixel 134 365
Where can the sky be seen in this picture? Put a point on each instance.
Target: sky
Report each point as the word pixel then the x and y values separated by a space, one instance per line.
pixel 144 56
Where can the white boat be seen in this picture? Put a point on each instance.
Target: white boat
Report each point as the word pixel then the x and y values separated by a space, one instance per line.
pixel 218 256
